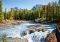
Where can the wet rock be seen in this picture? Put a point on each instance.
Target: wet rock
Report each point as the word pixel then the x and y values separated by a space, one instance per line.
pixel 51 38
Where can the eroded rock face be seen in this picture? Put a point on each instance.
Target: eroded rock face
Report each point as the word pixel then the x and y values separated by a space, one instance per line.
pixel 51 38
pixel 54 36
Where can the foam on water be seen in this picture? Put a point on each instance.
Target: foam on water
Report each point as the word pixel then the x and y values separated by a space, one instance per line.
pixel 37 36
pixel 16 31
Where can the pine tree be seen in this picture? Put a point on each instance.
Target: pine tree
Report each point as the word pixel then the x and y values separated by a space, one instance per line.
pixel 1 14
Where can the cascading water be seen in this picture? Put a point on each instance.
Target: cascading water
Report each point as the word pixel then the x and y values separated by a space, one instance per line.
pixel 18 30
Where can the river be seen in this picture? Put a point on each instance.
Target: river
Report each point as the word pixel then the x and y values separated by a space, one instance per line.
pixel 18 30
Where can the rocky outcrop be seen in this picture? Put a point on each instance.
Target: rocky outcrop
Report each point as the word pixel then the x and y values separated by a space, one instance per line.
pixel 51 38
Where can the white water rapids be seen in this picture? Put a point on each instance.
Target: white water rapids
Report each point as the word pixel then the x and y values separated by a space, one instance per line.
pixel 17 30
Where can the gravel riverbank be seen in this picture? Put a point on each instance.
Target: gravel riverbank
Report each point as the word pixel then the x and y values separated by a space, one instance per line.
pixel 8 23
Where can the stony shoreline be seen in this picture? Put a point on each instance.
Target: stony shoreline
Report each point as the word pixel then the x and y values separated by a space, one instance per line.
pixel 7 23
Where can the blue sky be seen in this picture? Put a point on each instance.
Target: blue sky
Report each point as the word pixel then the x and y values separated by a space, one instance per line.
pixel 23 3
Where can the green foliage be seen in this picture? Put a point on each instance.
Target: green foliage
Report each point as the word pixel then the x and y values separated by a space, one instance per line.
pixel 1 14
pixel 10 15
pixel 1 17
pixel 45 12
pixel 51 11
pixel 5 14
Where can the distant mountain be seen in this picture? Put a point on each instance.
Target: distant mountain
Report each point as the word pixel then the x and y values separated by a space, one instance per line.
pixel 37 7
